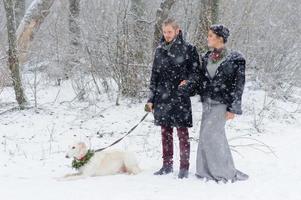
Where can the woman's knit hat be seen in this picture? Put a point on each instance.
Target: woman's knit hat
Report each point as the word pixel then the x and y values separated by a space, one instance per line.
pixel 221 31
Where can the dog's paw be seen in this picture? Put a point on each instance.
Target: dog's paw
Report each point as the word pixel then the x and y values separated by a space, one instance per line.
pixel 69 175
pixel 135 170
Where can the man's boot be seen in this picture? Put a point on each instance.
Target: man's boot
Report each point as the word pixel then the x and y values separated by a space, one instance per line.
pixel 165 169
pixel 167 151
pixel 183 173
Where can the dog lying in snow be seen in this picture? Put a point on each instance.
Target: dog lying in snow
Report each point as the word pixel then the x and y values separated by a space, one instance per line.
pixel 89 163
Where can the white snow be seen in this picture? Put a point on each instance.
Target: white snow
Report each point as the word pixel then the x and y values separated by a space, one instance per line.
pixel 33 144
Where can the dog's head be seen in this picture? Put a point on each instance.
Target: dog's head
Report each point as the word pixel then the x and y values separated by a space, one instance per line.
pixel 77 150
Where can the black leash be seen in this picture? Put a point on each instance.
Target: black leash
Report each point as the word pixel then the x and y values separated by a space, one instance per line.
pixel 129 132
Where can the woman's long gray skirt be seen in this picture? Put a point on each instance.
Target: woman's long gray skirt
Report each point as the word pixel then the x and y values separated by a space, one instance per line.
pixel 214 158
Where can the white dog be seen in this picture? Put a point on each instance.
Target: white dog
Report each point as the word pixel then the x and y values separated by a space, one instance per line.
pixel 89 163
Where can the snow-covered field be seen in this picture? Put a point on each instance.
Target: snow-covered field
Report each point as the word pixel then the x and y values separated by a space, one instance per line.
pixel 33 144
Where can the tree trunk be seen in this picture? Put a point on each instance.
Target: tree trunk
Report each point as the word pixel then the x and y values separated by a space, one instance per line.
pixel 208 16
pixel 74 31
pixel 137 48
pixel 13 62
pixel 161 15
pixel 137 32
pixel 19 11
pixel 30 24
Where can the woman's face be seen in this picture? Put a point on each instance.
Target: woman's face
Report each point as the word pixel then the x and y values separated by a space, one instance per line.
pixel 214 41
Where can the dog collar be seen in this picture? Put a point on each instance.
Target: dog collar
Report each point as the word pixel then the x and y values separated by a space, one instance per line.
pixel 78 163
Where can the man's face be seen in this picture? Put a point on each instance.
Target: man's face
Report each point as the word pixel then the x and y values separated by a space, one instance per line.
pixel 169 33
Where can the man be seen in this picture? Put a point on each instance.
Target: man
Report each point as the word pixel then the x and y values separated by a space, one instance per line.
pixel 175 61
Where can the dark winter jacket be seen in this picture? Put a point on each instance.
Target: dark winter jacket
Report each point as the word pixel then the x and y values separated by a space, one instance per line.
pixel 226 86
pixel 170 67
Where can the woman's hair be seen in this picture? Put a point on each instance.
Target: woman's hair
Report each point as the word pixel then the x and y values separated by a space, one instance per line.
pixel 221 31
pixel 172 22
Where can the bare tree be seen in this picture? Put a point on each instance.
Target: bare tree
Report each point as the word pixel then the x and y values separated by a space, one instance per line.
pixel 268 43
pixel 12 53
pixel 138 46
pixel 137 28
pixel 74 35
pixel 19 11
pixel 34 16
pixel 208 15
pixel 161 14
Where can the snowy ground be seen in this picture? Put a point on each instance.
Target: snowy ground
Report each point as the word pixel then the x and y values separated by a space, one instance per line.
pixel 33 143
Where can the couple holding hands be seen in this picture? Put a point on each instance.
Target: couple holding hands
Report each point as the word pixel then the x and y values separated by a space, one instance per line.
pixel 219 79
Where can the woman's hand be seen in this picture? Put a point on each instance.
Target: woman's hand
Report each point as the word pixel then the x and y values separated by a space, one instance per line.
pixel 230 115
pixel 183 83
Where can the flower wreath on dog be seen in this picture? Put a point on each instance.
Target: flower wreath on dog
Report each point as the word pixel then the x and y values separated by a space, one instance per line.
pixel 78 163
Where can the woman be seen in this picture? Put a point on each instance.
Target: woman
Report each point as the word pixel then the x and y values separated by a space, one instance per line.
pixel 220 83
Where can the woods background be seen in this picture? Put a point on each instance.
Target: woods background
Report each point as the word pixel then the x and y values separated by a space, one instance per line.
pixel 106 47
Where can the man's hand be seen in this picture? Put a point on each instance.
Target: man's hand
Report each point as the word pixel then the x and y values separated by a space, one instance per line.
pixel 183 83
pixel 230 115
pixel 149 107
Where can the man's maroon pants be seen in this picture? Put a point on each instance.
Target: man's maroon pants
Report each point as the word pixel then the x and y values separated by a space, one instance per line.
pixel 167 146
